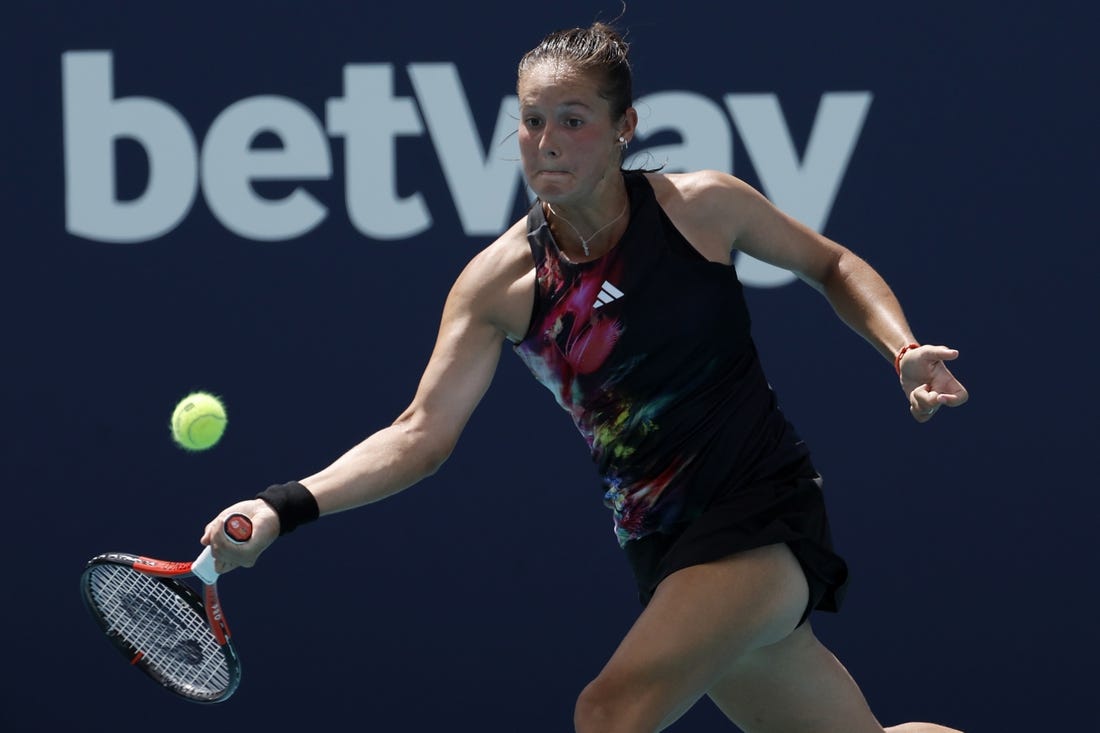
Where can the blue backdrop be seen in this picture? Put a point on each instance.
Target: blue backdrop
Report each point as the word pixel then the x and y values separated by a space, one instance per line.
pixel 270 200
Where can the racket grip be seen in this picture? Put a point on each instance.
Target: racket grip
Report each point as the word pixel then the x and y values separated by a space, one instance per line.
pixel 203 566
pixel 237 529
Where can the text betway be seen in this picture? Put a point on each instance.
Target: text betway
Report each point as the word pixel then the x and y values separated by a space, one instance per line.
pixel 483 182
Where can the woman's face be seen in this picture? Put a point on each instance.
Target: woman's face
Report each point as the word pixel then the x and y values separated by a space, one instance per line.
pixel 566 138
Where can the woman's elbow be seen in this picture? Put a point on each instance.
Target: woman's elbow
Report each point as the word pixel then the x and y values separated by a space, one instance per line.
pixel 431 444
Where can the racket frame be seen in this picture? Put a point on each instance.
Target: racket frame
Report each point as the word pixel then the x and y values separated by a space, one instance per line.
pixel 207 605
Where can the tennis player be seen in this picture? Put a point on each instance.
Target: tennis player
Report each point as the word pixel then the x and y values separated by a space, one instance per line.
pixel 617 292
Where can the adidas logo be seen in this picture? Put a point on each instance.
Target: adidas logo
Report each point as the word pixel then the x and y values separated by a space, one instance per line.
pixel 608 293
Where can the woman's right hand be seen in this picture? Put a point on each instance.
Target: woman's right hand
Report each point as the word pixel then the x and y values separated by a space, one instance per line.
pixel 228 554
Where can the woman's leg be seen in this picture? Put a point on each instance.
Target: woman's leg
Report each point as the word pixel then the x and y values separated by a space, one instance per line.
pixel 699 621
pixel 793 685
pixel 796 686
pixel 727 629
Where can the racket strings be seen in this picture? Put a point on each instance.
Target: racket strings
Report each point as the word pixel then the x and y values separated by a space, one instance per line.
pixel 173 639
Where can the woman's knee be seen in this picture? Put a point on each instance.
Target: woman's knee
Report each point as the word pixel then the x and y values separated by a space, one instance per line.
pixel 608 704
pixel 596 707
pixel 615 704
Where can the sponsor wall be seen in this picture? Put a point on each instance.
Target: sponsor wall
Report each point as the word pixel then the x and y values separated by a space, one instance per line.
pixel 270 200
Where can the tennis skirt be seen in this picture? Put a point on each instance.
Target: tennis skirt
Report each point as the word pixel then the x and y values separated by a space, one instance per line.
pixel 786 507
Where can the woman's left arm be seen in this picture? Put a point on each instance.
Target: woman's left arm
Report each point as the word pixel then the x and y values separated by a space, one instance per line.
pixel 858 294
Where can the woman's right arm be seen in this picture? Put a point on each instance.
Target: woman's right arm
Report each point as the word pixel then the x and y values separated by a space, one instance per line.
pixel 486 304
pixel 417 443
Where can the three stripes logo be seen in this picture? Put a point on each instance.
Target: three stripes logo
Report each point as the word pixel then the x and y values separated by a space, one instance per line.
pixel 608 294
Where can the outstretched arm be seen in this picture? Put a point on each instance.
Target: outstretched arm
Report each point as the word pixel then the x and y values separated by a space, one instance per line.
pixel 476 318
pixel 422 437
pixel 739 214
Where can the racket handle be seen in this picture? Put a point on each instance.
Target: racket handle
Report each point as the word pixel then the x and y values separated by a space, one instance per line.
pixel 238 529
pixel 203 566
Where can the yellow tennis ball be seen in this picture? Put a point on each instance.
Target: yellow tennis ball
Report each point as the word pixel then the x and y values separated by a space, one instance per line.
pixel 198 421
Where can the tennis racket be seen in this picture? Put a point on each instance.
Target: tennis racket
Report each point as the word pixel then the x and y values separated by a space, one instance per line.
pixel 161 624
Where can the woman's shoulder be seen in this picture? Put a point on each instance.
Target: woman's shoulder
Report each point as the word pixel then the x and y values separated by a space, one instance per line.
pixel 506 257
pixel 707 206
pixel 497 282
pixel 699 188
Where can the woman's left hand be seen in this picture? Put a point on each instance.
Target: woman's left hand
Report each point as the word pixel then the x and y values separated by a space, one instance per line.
pixel 928 383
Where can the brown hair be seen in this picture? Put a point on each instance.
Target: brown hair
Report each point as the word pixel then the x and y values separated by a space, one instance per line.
pixel 598 50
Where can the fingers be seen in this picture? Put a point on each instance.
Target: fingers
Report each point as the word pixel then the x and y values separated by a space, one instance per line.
pixel 956 400
pixel 923 363
pixel 925 403
pixel 221 545
pixel 929 383
pixel 229 554
pixel 209 532
pixel 221 567
pixel 920 362
pixel 937 353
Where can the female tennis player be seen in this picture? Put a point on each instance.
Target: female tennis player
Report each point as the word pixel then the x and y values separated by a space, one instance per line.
pixel 617 292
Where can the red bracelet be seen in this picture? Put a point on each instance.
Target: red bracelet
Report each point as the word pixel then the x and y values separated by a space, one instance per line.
pixel 897 359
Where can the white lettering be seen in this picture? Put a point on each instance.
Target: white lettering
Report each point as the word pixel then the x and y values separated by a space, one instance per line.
pixel 93 120
pixel 805 191
pixel 484 187
pixel 230 164
pixel 702 127
pixel 370 118
pixel 687 131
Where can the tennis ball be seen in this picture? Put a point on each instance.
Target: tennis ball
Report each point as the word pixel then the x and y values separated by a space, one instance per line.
pixel 198 421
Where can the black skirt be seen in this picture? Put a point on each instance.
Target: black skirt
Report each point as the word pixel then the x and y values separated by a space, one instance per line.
pixel 786 507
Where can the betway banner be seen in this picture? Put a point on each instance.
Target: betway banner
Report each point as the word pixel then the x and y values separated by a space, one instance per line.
pixel 369 117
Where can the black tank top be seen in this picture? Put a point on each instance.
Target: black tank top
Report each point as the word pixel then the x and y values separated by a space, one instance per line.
pixel 648 348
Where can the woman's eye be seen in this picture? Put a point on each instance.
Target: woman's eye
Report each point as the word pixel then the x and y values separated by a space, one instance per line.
pixel 574 122
pixel 532 122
